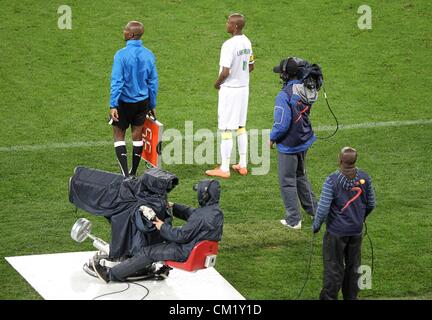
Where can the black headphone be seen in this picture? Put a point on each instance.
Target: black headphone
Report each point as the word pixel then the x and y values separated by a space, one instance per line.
pixel 284 74
pixel 206 193
pixel 284 65
pixel 287 68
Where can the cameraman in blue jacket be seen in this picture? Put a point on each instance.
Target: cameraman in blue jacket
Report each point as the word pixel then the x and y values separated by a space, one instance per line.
pixel 292 133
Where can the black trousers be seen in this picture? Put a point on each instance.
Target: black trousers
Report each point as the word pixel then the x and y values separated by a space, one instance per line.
pixel 342 258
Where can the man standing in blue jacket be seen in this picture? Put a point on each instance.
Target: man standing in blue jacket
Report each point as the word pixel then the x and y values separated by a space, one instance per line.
pixel 347 198
pixel 134 87
pixel 293 134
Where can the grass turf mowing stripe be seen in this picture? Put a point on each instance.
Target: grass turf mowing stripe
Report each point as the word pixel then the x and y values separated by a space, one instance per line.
pixel 367 125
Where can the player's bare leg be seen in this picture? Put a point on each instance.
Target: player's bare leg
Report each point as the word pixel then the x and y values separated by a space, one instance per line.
pixel 120 149
pixel 242 142
pixel 137 150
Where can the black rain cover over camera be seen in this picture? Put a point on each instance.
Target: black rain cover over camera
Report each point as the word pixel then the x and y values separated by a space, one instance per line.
pixel 309 74
pixel 108 194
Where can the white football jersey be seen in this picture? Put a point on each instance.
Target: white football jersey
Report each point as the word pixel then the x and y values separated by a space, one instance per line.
pixel 236 54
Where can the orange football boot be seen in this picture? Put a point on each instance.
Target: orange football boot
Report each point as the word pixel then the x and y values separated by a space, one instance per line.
pixel 217 172
pixel 242 171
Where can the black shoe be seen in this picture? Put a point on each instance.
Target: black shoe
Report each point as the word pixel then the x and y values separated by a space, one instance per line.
pixel 101 272
pixel 162 273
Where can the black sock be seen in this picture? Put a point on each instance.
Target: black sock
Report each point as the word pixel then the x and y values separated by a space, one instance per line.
pixel 136 158
pixel 121 154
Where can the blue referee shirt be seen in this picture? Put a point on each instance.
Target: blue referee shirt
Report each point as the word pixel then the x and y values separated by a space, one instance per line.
pixel 134 76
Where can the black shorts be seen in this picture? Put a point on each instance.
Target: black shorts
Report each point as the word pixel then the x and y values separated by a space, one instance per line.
pixel 131 114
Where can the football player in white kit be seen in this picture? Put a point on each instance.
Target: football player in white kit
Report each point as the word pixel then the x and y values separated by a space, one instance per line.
pixel 236 62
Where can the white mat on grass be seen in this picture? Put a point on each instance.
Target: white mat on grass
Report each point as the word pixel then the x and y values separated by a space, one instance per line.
pixel 60 277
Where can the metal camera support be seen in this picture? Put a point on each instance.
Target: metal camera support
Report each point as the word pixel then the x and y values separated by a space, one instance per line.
pixel 81 231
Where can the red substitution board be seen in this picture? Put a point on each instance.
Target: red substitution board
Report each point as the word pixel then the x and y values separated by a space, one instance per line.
pixel 152 138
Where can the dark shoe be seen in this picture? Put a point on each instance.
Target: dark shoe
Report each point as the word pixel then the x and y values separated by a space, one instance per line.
pixel 104 260
pixel 101 272
pixel 162 273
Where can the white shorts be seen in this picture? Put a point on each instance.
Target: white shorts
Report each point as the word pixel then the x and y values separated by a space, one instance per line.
pixel 232 107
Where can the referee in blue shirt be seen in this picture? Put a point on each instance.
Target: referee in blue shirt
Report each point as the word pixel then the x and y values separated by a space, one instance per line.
pixel 134 87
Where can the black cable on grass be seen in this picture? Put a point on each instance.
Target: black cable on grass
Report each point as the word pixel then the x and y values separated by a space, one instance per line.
pixel 308 268
pixel 366 234
pixel 334 116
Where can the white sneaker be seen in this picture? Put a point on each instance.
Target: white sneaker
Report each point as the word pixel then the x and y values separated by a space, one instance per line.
pixel 296 227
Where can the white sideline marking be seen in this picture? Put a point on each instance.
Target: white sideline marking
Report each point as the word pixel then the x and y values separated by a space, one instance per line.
pixel 38 147
pixel 367 125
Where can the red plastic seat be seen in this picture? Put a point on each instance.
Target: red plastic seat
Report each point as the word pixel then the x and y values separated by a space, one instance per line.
pixel 197 256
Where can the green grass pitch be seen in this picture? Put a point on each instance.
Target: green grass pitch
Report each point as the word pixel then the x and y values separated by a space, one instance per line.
pixel 54 89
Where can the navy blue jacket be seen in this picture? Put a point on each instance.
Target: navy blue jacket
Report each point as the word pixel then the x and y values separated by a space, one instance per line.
pixel 203 223
pixel 292 130
pixel 344 203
